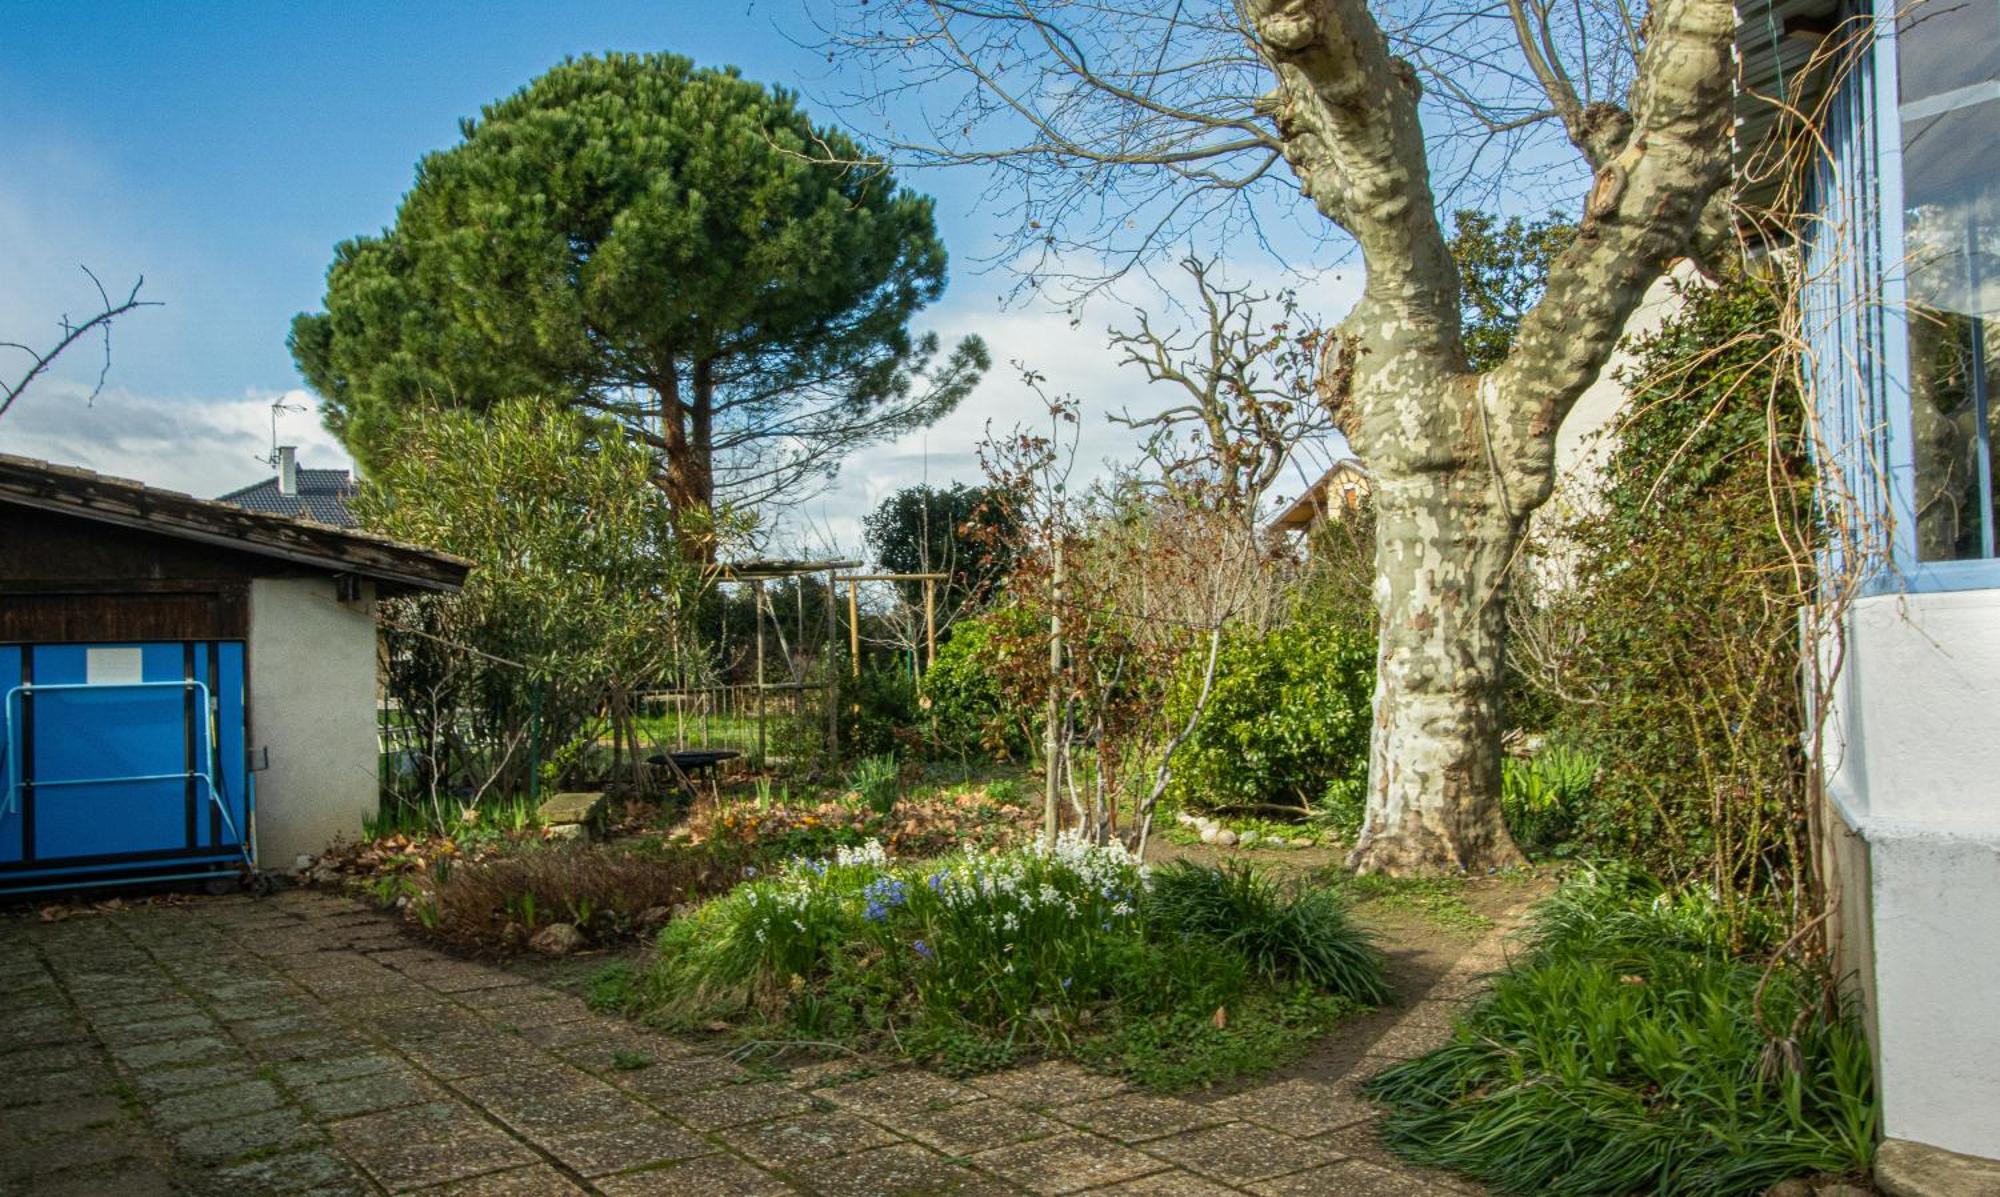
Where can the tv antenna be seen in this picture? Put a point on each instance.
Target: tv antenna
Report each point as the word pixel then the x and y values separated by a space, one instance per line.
pixel 279 405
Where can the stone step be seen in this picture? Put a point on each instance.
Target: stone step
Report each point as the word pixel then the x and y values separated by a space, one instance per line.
pixel 578 814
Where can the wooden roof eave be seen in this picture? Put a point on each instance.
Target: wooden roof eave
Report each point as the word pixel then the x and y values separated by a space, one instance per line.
pixel 83 494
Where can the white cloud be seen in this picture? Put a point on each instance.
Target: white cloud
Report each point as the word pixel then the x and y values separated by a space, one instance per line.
pixel 203 447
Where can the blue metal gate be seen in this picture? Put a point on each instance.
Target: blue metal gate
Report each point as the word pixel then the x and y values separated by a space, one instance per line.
pixel 123 763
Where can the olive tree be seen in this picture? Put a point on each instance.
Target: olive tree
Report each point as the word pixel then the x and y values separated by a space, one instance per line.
pixel 579 595
pixel 1116 127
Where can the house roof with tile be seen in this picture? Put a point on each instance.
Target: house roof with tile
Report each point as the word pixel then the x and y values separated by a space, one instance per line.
pixel 322 497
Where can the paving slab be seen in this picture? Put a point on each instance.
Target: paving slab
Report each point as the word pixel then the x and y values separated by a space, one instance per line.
pixel 1068 1163
pixel 794 1144
pixel 709 1176
pixel 1238 1153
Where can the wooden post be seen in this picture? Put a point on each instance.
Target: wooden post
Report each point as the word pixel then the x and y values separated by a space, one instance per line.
pixel 1050 741
pixel 930 623
pixel 854 625
pixel 757 614
pixel 832 674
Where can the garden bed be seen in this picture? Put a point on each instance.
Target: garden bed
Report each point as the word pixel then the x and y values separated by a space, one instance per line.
pixel 978 960
pixel 1640 1046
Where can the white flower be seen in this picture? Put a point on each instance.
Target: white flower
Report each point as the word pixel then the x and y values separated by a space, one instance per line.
pixel 870 853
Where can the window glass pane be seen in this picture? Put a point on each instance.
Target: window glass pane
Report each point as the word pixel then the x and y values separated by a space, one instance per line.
pixel 1943 45
pixel 1948 57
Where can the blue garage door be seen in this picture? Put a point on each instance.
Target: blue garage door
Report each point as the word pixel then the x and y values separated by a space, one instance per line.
pixel 122 762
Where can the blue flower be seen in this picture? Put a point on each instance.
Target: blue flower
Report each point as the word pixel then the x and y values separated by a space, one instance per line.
pixel 882 895
pixel 885 891
pixel 923 949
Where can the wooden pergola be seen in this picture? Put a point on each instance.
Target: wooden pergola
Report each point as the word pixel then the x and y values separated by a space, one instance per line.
pixel 758 572
pixel 854 581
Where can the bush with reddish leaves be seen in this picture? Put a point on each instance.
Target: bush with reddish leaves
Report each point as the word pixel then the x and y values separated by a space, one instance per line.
pixel 607 892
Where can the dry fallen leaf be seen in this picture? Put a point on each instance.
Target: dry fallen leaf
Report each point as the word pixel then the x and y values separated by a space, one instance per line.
pixel 1221 1018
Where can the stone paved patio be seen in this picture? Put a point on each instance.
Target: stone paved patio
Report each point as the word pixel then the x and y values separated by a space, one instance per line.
pixel 303 1044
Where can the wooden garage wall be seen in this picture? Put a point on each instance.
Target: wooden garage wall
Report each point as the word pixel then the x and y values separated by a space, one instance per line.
pixel 68 580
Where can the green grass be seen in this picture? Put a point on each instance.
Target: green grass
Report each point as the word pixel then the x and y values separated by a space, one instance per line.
pixel 1626 1054
pixel 1184 1050
pixel 1439 901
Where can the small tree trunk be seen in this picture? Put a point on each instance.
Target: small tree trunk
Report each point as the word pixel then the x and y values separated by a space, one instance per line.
pixel 1443 546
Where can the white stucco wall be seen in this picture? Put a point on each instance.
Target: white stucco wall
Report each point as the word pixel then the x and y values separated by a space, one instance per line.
pixel 312 705
pixel 1915 772
pixel 1585 438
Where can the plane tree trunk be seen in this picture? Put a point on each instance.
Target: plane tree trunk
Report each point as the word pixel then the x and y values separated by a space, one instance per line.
pixel 1443 548
pixel 1460 459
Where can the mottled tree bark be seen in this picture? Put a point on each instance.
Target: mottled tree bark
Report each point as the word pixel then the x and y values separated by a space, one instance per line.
pixel 1460 460
pixel 1443 549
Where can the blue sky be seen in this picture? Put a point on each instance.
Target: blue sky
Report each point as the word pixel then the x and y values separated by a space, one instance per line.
pixel 221 149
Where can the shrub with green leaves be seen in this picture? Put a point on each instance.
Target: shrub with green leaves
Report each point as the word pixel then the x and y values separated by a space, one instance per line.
pixel 1632 1052
pixel 881 707
pixel 1286 726
pixel 964 696
pixel 975 959
pixel 1679 636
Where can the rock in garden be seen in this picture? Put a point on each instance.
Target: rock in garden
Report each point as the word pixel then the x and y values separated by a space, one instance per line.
pixel 1225 838
pixel 1248 838
pixel 557 939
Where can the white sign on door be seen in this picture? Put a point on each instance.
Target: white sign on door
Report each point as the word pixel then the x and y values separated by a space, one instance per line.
pixel 113 666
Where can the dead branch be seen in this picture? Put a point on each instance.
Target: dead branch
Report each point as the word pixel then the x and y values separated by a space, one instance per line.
pixel 73 331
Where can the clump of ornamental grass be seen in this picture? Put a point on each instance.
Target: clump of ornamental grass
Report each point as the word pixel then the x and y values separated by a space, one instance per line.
pixel 975 960
pixel 1640 1047
pixel 1286 934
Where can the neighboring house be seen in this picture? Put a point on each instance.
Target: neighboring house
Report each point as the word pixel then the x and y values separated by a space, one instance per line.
pixel 1899 244
pixel 187 684
pixel 1337 494
pixel 317 495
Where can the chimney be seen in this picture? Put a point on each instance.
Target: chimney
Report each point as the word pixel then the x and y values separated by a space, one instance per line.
pixel 288 470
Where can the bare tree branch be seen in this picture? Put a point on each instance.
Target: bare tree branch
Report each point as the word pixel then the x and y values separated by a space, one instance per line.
pixel 74 331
